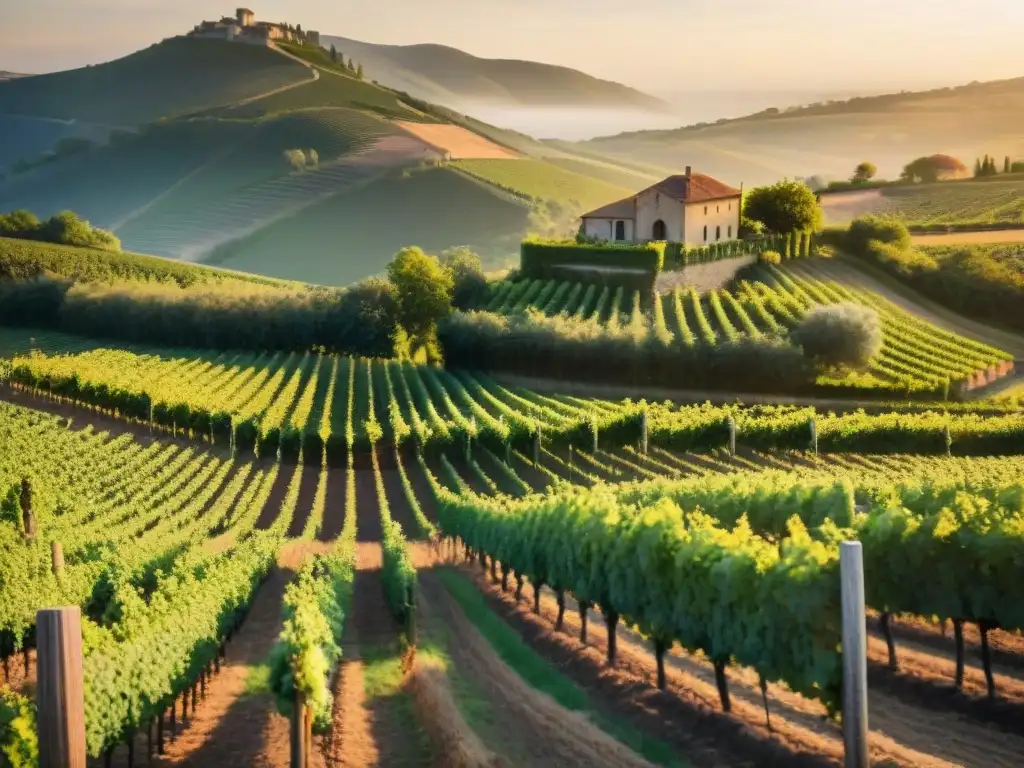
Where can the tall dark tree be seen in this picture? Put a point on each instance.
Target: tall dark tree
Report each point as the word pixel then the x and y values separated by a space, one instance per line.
pixel 334 54
pixel 978 170
pixel 1006 164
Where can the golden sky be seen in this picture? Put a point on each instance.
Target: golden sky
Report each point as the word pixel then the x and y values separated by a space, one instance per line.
pixel 654 45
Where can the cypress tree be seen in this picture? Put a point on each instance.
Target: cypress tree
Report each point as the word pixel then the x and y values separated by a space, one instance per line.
pixel 977 168
pixel 1006 164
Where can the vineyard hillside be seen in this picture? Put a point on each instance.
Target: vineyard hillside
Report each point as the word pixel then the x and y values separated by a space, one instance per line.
pixel 831 138
pixel 990 203
pixel 353 235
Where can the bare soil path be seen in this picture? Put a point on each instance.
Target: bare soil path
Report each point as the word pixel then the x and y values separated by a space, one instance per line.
pixel 971 238
pixel 902 731
pixel 237 724
pixel 534 730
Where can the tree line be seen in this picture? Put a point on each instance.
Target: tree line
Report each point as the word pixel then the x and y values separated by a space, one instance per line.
pixel 64 228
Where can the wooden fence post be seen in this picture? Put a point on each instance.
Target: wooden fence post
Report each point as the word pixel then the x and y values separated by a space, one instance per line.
pixel 732 435
pixel 814 435
pixel 643 432
pixel 300 740
pixel 60 692
pixel 56 557
pixel 855 663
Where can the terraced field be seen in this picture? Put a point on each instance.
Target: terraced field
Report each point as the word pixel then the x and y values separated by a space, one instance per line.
pixel 916 355
pixel 134 171
pixel 540 180
pixel 194 234
pixel 254 155
pixel 347 237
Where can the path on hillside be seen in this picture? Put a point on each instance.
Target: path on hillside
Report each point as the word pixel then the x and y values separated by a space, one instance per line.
pixel 314 76
pixel 992 236
pixel 866 276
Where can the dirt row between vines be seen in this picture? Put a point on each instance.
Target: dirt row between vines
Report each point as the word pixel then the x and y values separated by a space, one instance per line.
pixel 903 731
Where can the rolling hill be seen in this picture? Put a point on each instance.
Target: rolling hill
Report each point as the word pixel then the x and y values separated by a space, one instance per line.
pixel 831 138
pixel 457 79
pixel 216 177
pixel 168 79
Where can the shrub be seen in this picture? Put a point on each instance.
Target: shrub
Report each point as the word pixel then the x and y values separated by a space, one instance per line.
pixel 884 229
pixel 770 257
pixel 19 746
pixel 841 335
pixel 467 275
pixel 786 206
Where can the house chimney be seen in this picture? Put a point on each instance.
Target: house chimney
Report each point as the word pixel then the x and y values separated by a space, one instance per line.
pixel 687 171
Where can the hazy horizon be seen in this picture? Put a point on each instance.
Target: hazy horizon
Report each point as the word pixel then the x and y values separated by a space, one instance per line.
pixel 789 45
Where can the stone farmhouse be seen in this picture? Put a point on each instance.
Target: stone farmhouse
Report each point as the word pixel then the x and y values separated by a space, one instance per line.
pixel 690 208
pixel 243 28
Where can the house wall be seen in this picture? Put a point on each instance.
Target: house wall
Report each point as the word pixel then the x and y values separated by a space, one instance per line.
pixel 651 206
pixel 720 213
pixel 605 228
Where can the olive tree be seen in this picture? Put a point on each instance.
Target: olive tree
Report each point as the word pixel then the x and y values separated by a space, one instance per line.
pixel 840 335
pixel 786 206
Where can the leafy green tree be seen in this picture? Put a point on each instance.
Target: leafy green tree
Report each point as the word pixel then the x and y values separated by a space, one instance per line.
pixel 467 274
pixel 932 168
pixel 423 289
pixel 785 206
pixel 334 54
pixel 864 172
pixel 359 71
pixel 842 335
pixel 20 224
pixel 351 65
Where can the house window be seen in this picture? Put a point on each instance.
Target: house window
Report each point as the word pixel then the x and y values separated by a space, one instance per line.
pixel 730 206
pixel 705 213
pixel 705 233
pixel 718 233
pixel 657 200
pixel 658 231
pixel 730 231
pixel 718 209
pixel 620 230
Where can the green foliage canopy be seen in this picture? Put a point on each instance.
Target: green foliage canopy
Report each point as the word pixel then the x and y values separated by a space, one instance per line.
pixel 423 290
pixel 786 206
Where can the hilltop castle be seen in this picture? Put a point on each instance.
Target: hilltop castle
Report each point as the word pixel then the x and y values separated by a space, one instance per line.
pixel 243 28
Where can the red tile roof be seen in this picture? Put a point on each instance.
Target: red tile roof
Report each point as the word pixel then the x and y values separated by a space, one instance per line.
pixel 691 188
pixel 695 188
pixel 623 209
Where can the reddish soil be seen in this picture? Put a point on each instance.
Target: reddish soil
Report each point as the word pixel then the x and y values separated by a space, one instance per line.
pixel 902 733
pixel 534 731
pixel 232 727
pixel 334 506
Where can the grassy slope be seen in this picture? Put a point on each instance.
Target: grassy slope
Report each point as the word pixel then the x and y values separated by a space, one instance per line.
pixel 539 179
pixel 331 90
pixel 832 139
pixel 257 155
pixel 961 202
pixel 441 73
pixel 170 78
pixel 22 257
pixel 355 234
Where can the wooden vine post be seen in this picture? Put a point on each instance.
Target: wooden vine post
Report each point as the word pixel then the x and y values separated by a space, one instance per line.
pixel 732 435
pixel 855 662
pixel 814 435
pixel 301 732
pixel 60 691
pixel 643 432
pixel 56 558
pixel 536 446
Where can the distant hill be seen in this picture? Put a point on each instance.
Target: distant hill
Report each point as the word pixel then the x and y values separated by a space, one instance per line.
pixel 457 79
pixel 9 75
pixel 171 78
pixel 830 138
